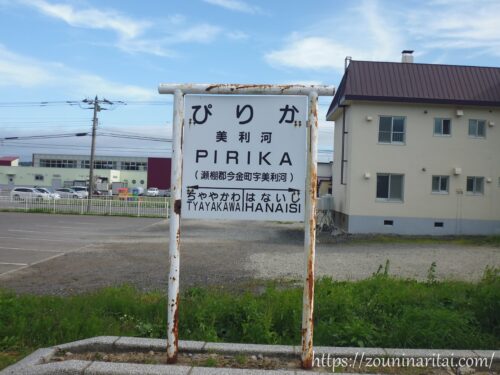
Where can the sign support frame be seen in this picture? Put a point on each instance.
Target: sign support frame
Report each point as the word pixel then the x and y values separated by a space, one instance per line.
pixel 310 232
pixel 175 230
pixel 312 92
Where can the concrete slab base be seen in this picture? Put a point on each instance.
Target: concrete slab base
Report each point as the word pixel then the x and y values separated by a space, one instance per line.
pixel 39 361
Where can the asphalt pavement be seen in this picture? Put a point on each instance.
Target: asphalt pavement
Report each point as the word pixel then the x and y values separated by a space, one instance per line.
pixel 29 239
pixel 67 254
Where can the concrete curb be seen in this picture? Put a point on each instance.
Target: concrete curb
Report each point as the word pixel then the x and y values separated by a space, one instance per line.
pixel 38 363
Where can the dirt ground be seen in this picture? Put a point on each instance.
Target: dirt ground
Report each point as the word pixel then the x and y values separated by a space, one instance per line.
pixel 265 362
pixel 231 254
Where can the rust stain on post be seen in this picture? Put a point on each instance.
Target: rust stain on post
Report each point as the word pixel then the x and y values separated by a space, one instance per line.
pixel 236 87
pixel 246 89
pixel 307 363
pixel 211 87
pixel 175 331
pixel 177 206
pixel 310 277
pixel 174 240
pixel 310 236
pixel 233 87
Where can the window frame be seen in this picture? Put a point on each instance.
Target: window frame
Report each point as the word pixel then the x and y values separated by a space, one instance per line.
pixel 389 199
pixel 476 134
pixel 440 191
pixel 474 191
pixel 441 120
pixel 392 142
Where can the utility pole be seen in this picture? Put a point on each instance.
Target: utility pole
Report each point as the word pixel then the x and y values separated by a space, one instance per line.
pixel 96 106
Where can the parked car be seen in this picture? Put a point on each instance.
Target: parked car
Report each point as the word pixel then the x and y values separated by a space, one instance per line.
pixel 138 191
pixel 153 192
pixel 69 193
pixel 47 191
pixel 81 189
pixel 25 193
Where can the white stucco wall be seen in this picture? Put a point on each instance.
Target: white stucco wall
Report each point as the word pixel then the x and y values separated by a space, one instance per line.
pixel 25 176
pixel 422 156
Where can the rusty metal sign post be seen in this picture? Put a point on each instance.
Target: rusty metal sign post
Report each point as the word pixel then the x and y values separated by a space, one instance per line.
pixel 312 92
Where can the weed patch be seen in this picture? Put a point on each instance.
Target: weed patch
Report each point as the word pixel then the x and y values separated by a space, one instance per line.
pixel 377 312
pixel 426 240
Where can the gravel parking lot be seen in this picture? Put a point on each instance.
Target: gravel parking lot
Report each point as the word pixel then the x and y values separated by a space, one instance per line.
pixel 65 254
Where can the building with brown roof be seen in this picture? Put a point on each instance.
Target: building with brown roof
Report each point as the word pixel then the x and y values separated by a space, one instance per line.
pixel 417 148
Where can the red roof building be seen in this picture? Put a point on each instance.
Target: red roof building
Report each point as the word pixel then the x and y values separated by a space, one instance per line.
pixel 9 161
pixel 159 170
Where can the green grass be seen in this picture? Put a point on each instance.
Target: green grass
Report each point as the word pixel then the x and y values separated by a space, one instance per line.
pixel 424 240
pixel 210 362
pixel 378 312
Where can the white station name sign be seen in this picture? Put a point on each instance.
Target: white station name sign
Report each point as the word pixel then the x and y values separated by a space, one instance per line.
pixel 244 157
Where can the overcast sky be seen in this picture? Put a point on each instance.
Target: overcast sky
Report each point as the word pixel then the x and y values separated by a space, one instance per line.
pixel 55 51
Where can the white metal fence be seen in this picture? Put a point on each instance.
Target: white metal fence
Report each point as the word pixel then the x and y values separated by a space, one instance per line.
pixel 150 207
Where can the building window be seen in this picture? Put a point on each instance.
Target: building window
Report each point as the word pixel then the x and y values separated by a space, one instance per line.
pixel 142 182
pixel 134 182
pixel 390 187
pixel 134 166
pixel 99 164
pixel 391 130
pixel 477 128
pixel 442 126
pixel 104 164
pixel 39 177
pixel 57 163
pixel 440 184
pixel 475 185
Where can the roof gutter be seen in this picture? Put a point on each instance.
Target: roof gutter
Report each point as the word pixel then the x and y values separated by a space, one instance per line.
pixel 414 100
pixel 340 104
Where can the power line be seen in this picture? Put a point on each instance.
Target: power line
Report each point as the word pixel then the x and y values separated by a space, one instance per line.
pixel 45 136
pixel 63 121
pixel 79 146
pixel 37 104
pixel 78 103
pixel 79 124
pixel 134 136
pixel 114 130
pixel 140 151
pixel 83 134
pixel 103 148
pixel 73 124
pixel 42 126
pixel 147 102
